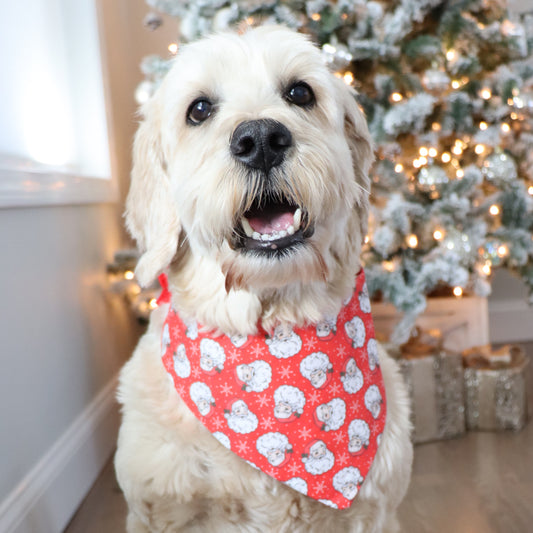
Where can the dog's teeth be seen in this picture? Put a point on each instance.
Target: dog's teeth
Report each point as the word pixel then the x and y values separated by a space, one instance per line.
pixel 246 227
pixel 256 236
pixel 291 230
pixel 265 237
pixel 297 219
pixel 282 233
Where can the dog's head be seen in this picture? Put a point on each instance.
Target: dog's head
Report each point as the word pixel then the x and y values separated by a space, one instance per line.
pixel 253 153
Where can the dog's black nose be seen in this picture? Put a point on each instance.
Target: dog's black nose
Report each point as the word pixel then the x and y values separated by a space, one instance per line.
pixel 260 144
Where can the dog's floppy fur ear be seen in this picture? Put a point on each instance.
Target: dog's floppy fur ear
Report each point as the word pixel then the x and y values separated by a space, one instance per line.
pixel 361 146
pixel 151 214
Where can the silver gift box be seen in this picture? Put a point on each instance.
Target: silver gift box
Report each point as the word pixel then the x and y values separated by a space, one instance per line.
pixel 434 379
pixel 495 387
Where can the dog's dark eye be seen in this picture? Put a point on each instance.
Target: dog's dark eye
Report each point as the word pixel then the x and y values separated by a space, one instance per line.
pixel 301 94
pixel 199 111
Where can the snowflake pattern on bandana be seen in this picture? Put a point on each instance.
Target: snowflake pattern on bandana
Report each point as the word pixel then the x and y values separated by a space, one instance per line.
pixel 304 405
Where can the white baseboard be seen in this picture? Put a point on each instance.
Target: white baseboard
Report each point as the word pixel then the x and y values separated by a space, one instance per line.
pixel 510 321
pixel 47 497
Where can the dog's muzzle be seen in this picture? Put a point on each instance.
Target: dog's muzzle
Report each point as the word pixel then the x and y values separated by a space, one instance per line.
pixel 273 223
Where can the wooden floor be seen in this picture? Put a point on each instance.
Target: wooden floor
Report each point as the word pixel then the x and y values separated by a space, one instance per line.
pixel 480 483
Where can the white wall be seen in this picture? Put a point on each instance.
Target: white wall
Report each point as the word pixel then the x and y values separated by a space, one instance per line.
pixel 63 337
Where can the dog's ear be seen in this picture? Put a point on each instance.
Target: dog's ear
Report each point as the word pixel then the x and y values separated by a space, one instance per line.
pixel 361 145
pixel 151 214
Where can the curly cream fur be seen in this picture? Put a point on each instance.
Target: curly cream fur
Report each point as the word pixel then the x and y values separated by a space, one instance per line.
pixel 187 194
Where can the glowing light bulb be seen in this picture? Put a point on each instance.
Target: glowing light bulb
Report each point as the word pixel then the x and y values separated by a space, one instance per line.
pixel 398 168
pixel 486 269
pixel 173 48
pixel 129 275
pixel 396 97
pixel 315 16
pixel 503 250
pixel 367 239
pixel 423 160
pixel 450 55
pixel 457 291
pixel 152 304
pixel 348 78
pixel 446 157
pixel 412 241
pixel 483 126
pixel 432 152
pixel 423 151
pixel 457 150
pixel 460 173
pixel 494 210
pixel 438 235
pixel 456 84
pixel 388 266
pixel 485 93
pixel 436 126
pixel 530 190
pixel 417 163
pixel 505 127
pixel 479 149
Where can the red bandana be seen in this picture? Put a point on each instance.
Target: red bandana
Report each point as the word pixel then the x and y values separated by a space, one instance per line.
pixel 306 406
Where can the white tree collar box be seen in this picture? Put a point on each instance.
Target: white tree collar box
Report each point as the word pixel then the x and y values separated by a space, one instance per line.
pixel 434 380
pixel 495 385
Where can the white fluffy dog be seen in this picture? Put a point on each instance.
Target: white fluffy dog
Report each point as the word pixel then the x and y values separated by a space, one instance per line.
pixel 197 184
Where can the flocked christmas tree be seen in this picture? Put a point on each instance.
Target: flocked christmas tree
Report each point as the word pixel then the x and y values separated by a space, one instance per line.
pixel 449 99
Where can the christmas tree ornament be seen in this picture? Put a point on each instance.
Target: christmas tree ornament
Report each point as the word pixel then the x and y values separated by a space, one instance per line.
pixel 458 243
pixel 490 252
pixel 431 178
pixel 499 166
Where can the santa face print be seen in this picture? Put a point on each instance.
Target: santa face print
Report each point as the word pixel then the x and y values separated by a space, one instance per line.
pixel 373 358
pixel 240 419
pixel 331 415
pixel 202 397
pixel 347 481
pixel 212 355
pixel 245 373
pixel 319 459
pixel 326 328
pixel 373 400
pixel 289 403
pixel 282 410
pixel 364 300
pixel 284 343
pixel 274 446
pixel 256 376
pixel 355 329
pixel 349 490
pixel 359 435
pixel 352 378
pixel 182 366
pixel 238 340
pixel 317 368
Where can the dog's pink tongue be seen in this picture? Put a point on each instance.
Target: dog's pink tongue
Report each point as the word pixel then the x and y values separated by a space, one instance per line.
pixel 271 222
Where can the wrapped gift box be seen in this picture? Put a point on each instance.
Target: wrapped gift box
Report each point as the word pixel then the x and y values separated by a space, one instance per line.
pixel 434 378
pixel 495 385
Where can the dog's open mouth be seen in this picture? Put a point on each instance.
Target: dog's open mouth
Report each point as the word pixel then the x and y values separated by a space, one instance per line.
pixel 272 226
